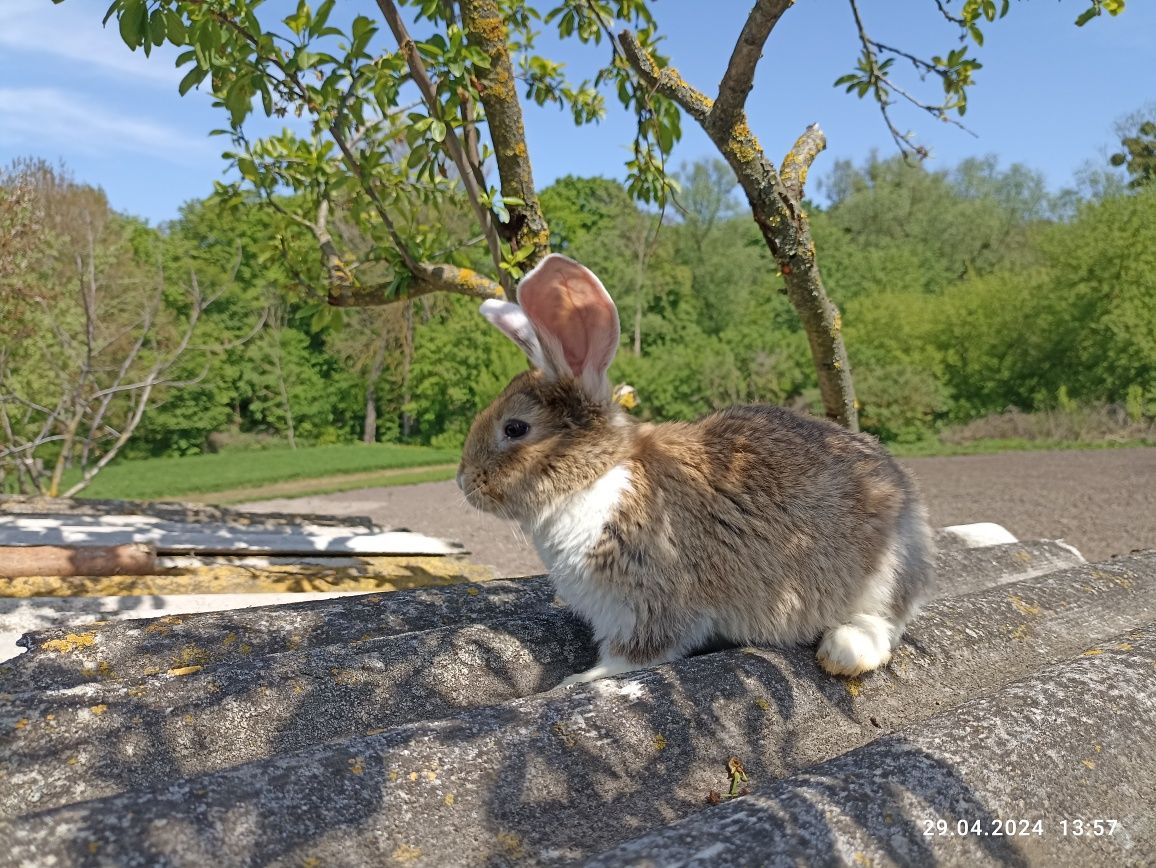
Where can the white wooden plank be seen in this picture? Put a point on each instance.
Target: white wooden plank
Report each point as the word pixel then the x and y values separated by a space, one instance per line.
pixel 170 537
pixel 174 526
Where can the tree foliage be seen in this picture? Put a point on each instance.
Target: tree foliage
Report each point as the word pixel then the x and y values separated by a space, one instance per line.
pixel 378 170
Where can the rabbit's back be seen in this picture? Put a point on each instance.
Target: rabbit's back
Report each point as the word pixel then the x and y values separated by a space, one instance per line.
pixel 775 523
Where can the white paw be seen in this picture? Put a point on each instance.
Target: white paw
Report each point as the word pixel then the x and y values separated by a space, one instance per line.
pixel 606 669
pixel 851 650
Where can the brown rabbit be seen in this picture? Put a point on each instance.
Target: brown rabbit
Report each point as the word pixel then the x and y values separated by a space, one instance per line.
pixel 752 525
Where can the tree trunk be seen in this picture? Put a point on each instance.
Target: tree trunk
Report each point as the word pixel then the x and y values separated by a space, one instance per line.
pixel 406 364
pixel 286 406
pixel 369 431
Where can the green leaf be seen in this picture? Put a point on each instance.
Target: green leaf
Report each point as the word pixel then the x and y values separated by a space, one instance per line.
pixel 321 17
pixel 1087 15
pixel 175 27
pixel 437 131
pixel 194 77
pixel 133 21
pixel 157 26
pixel 299 20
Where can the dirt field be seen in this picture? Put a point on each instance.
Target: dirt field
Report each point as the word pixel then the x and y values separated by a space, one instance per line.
pixel 1102 502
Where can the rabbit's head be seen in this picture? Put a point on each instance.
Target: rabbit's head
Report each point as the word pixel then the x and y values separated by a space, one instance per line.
pixel 555 428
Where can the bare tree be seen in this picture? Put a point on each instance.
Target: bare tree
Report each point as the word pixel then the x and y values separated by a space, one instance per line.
pixel 105 378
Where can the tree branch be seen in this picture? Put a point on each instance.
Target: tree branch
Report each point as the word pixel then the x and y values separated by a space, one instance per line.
pixel 798 160
pixel 453 144
pixel 783 224
pixel 739 77
pixel 881 84
pixel 665 80
pixel 485 28
pixel 427 278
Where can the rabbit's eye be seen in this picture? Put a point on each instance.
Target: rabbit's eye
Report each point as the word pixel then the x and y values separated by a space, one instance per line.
pixel 516 429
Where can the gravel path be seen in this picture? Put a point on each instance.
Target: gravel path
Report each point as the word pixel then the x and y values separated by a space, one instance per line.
pixel 1102 502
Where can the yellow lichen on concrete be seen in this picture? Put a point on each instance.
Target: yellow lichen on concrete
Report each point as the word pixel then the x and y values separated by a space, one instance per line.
pixel 660 742
pixel 190 654
pixel 512 844
pixel 405 853
pixel 71 642
pixel 449 800
pixel 1022 606
pixel 98 709
pixel 180 671
pixel 853 686
pixel 1093 652
pixel 372 574
pixel 356 766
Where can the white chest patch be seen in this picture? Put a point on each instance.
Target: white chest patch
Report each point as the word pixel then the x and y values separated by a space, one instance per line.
pixel 564 538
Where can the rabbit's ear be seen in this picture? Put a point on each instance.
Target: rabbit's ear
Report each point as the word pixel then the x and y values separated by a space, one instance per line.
pixel 514 323
pixel 575 320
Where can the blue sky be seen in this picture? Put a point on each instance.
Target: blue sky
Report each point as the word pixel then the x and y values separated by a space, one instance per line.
pixel 1047 95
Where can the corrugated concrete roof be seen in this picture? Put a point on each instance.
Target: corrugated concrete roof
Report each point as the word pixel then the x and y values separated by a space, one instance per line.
pixel 421 727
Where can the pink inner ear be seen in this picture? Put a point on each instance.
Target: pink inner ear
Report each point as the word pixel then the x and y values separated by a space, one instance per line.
pixel 565 300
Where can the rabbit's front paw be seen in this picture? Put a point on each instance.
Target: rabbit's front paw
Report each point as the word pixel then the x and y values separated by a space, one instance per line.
pixel 852 649
pixel 608 668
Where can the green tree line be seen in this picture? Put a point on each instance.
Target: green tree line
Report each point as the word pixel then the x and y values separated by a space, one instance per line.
pixel 964 291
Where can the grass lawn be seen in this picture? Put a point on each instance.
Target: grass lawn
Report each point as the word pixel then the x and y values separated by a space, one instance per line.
pixel 936 448
pixel 173 478
pixel 247 475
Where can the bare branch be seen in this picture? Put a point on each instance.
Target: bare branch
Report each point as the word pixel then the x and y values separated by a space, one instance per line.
pixel 954 19
pixel 798 160
pixel 111 453
pixel 881 84
pixel 740 73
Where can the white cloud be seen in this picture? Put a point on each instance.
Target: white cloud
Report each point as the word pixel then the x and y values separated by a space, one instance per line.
pixel 72 32
pixel 37 117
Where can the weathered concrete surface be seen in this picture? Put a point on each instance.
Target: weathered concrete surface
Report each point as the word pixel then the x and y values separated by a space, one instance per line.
pixel 560 776
pixel 70 615
pixel 964 571
pixel 63 746
pixel 127 649
pixel 1072 748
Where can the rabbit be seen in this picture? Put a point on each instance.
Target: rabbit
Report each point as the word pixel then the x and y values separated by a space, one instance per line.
pixel 751 526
